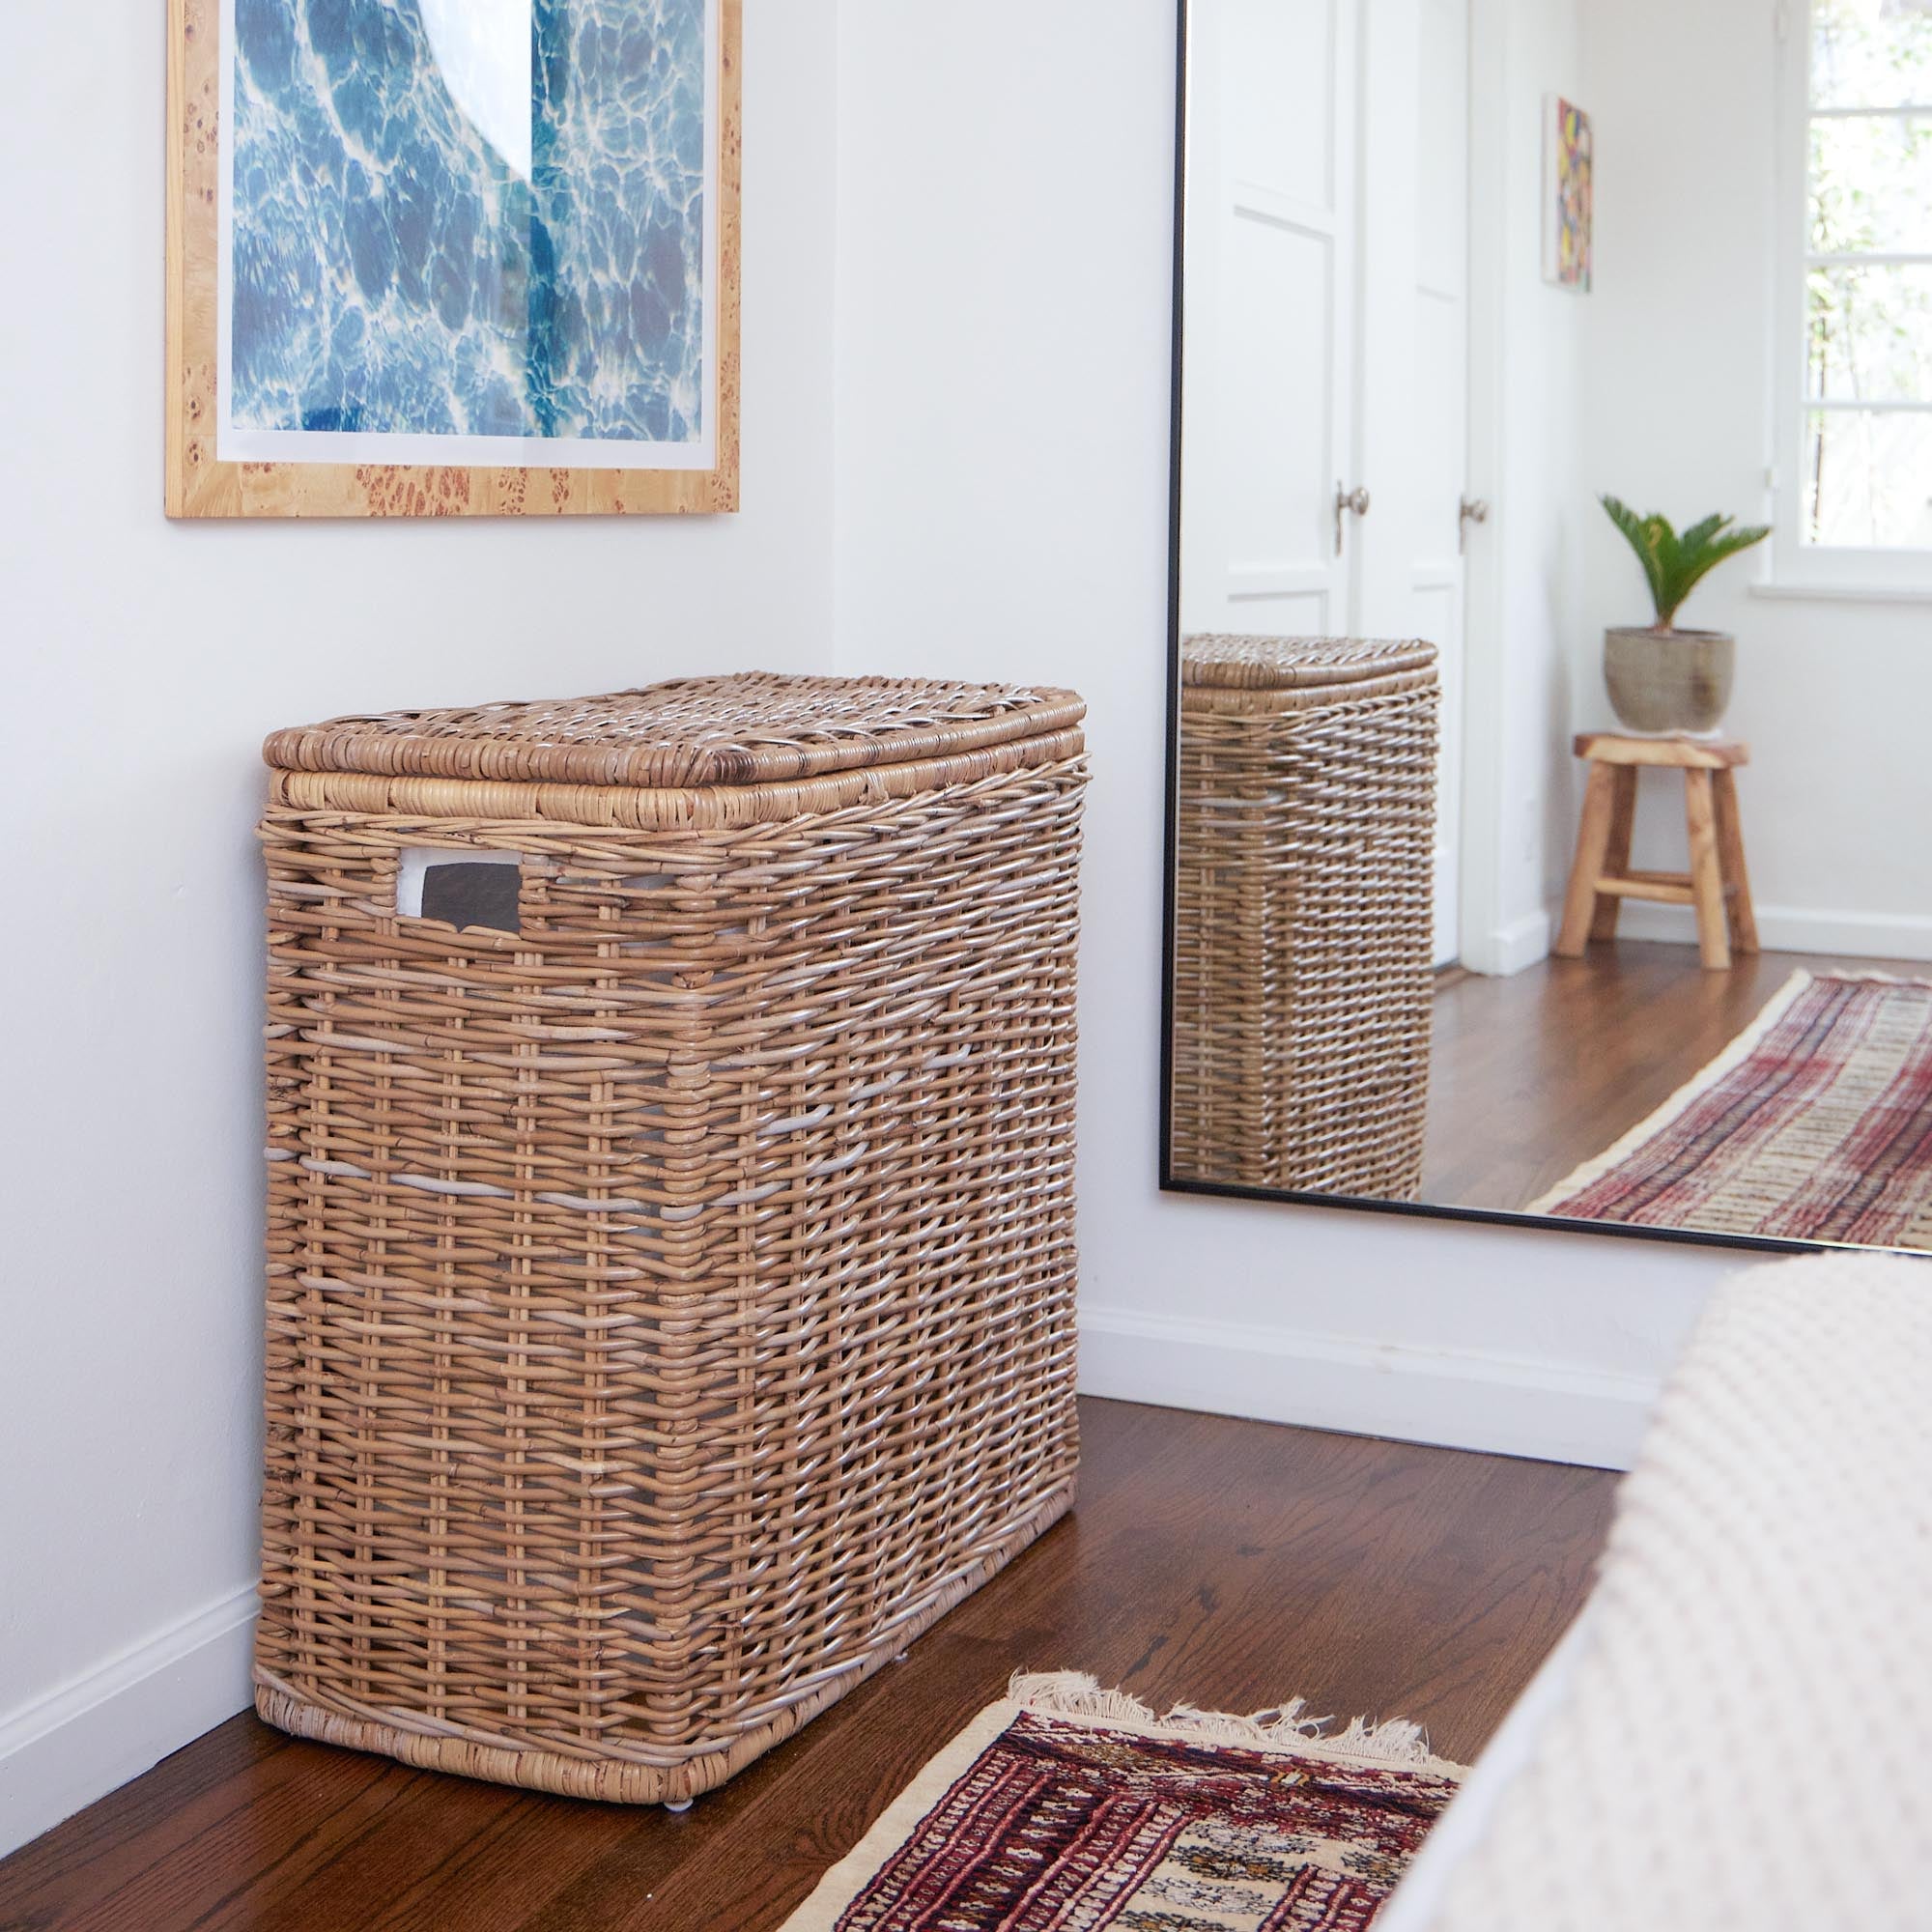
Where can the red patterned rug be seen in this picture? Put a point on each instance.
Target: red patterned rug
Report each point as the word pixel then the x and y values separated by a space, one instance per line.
pixel 1068 1809
pixel 1814 1124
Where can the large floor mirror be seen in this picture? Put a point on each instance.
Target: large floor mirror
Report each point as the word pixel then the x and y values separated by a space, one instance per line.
pixel 1551 613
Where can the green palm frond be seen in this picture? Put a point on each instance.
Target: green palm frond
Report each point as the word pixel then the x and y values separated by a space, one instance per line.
pixel 1702 533
pixel 1674 565
pixel 1642 534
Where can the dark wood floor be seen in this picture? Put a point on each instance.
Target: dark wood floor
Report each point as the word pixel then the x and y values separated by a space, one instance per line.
pixel 1227 1564
pixel 1534 1074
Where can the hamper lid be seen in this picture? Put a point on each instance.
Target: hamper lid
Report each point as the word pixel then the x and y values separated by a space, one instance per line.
pixel 1289 664
pixel 749 728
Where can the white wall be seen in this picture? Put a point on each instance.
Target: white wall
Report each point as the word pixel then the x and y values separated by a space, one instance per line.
pixel 143 663
pixel 1003 348
pixel 1526 563
pixel 1832 694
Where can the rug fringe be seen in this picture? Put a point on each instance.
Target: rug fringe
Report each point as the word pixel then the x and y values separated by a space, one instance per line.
pixel 1073 1694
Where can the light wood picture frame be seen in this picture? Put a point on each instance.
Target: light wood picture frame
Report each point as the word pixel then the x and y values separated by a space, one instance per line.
pixel 212 472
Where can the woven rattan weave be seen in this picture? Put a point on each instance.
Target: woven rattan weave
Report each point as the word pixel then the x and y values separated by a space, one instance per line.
pixel 670 1302
pixel 1303 911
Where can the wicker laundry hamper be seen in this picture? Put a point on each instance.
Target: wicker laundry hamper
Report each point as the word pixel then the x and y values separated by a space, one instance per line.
pixel 671 1272
pixel 1303 913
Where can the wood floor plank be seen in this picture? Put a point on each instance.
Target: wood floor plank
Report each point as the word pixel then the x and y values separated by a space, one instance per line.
pixel 185 1796
pixel 504 1875
pixel 259 1846
pixel 1223 1563
pixel 347 1873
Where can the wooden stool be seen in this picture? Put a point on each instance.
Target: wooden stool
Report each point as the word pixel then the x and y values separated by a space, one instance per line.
pixel 1716 884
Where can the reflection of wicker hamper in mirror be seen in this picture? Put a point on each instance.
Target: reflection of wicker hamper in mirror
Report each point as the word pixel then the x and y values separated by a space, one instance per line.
pixel 1303 914
pixel 670 1301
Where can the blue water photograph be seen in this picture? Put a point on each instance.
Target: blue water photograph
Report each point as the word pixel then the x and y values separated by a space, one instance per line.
pixel 469 219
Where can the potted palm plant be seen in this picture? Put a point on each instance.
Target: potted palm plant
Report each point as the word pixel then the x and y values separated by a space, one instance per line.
pixel 1662 679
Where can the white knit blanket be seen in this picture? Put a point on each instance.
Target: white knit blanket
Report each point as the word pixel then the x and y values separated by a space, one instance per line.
pixel 1742 1745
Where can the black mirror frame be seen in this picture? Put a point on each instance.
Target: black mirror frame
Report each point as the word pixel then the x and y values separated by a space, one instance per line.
pixel 1170 1182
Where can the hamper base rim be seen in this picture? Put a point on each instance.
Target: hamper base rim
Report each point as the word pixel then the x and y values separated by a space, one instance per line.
pixel 609 1780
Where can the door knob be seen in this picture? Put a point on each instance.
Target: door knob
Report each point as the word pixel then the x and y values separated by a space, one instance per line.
pixel 1355 499
pixel 1470 510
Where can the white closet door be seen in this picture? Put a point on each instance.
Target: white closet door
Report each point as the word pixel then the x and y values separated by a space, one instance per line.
pixel 1268 346
pixel 1441 351
pixel 1412 367
pixel 1324 334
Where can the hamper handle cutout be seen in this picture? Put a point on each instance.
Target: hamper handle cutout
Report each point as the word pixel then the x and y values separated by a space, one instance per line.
pixel 460 889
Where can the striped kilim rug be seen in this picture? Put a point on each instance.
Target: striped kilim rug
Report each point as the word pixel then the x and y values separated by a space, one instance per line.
pixel 1814 1124
pixel 1068 1809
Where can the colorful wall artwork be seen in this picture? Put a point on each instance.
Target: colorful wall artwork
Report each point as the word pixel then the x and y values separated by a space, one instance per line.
pixel 1567 187
pixel 453 256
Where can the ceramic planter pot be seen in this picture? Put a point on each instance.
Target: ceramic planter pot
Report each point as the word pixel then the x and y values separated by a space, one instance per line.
pixel 1674 681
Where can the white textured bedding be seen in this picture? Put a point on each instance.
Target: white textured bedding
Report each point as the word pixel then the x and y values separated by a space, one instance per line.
pixel 1735 1736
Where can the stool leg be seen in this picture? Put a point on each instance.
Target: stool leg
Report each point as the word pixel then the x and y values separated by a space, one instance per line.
pixel 1731 856
pixel 1617 854
pixel 1707 877
pixel 1593 839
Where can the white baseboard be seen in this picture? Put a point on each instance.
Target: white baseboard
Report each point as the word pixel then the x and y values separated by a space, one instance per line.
pixel 1546 1411
pixel 1522 942
pixel 95 1732
pixel 1856 935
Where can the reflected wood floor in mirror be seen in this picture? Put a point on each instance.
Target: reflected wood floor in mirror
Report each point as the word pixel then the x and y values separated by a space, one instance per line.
pixel 1538 1072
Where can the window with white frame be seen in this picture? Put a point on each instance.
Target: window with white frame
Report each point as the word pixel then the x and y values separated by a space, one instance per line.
pixel 1854 467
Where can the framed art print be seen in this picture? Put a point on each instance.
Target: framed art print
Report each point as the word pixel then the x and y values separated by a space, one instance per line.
pixel 1568 192
pixel 452 257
